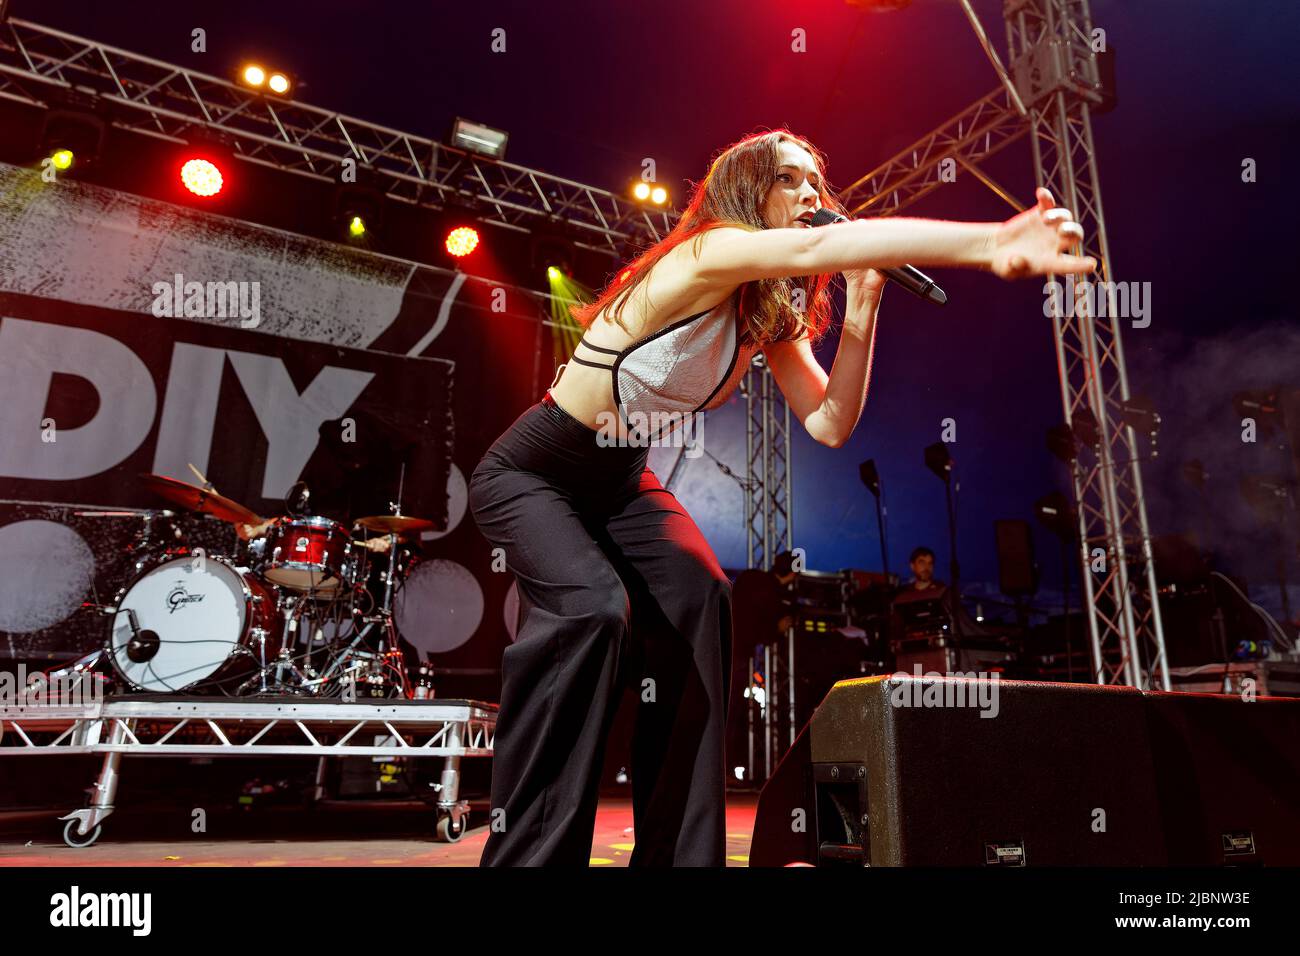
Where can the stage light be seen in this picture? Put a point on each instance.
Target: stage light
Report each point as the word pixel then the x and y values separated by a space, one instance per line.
pixel 870 476
pixel 201 177
pixel 479 139
pixel 1086 428
pixel 939 461
pixel 1262 407
pixel 72 131
pixel 1140 414
pixel 264 80
pixel 553 273
pixel 357 209
pixel 643 191
pixel 550 248
pixel 1062 443
pixel 462 240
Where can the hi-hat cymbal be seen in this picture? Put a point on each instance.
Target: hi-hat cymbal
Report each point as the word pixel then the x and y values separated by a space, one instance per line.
pixel 394 524
pixel 199 499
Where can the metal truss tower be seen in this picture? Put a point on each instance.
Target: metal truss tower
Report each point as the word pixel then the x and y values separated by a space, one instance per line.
pixel 1052 53
pixel 1053 84
pixel 769 487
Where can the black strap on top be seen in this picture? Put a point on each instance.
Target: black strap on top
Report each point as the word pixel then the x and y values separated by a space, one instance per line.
pixel 594 348
pixel 635 345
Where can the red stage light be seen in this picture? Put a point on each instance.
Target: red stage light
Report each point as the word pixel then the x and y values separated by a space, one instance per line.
pixel 462 240
pixel 201 177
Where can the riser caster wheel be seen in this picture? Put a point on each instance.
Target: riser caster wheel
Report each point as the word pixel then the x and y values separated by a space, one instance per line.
pixel 78 841
pixel 449 830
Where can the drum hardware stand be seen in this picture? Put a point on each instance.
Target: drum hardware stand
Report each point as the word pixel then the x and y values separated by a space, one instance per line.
pixel 87 662
pixel 341 661
pixel 390 639
pixel 389 642
pixel 259 634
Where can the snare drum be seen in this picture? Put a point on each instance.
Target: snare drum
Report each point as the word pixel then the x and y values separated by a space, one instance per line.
pixel 309 554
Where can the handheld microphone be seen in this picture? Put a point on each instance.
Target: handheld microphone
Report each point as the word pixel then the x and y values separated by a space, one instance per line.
pixel 909 277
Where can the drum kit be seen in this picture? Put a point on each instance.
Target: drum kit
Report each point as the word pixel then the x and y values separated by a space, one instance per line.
pixel 302 604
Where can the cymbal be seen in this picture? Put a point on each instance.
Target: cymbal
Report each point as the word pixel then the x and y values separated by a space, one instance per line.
pixel 394 524
pixel 199 499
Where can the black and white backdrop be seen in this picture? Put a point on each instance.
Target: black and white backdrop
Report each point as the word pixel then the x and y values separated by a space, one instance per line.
pixel 98 384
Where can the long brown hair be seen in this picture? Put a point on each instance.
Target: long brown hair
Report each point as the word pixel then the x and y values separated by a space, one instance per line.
pixel 733 194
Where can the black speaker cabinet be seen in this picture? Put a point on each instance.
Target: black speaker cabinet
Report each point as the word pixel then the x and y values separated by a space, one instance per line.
pixel 1228 778
pixel 948 771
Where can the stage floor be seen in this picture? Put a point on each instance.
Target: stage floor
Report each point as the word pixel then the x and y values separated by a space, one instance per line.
pixel 335 833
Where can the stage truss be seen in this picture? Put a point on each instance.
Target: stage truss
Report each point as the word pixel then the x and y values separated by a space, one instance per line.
pixel 251 727
pixel 39 64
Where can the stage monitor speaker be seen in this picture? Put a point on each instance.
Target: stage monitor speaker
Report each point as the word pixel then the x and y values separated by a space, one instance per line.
pixel 785 830
pixel 905 771
pixel 940 771
pixel 1227 773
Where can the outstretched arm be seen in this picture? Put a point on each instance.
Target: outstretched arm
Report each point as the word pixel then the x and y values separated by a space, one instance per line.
pixel 1032 243
pixel 830 407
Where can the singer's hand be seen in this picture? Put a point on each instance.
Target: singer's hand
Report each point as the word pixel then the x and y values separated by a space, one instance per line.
pixel 1034 243
pixel 864 281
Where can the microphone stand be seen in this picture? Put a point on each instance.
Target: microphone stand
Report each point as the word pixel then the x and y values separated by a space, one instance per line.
pixel 954 568
pixel 870 477
pixel 880 523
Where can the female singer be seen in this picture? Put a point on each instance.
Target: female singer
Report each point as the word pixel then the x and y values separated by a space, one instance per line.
pixel 616 582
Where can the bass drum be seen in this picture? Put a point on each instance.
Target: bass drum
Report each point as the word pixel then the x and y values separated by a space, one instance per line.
pixel 193 621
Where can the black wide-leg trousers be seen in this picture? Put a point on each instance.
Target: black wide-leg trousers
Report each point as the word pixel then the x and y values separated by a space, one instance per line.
pixel 617 586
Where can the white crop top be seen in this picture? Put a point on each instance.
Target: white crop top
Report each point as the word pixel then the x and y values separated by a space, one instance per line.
pixel 681 368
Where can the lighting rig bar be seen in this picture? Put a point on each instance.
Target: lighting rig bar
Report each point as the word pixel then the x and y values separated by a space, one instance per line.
pixel 173 103
pixel 981 130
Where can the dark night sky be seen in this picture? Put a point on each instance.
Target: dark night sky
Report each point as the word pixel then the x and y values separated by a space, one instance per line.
pixel 590 87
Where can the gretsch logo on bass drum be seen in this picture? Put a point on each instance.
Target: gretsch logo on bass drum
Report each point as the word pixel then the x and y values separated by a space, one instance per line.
pixel 179 597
